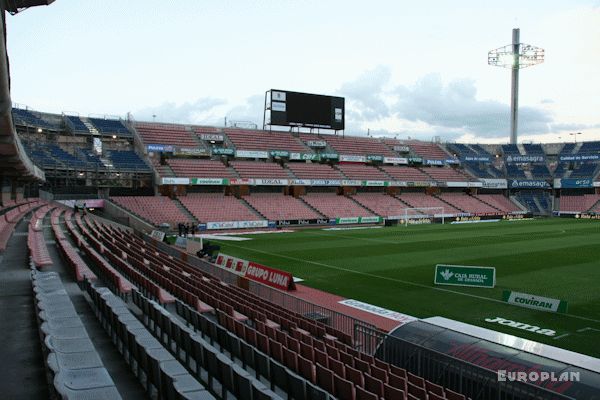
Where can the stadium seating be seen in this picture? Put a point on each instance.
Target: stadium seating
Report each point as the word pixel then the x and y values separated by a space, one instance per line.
pixel 584 170
pixel 303 170
pixel 482 170
pixel 499 201
pixel 513 171
pixel 540 171
pixel 276 207
pixel 533 149
pixel 32 118
pixel 578 203
pixel 381 204
pixel 429 151
pixel 176 135
pixel 155 209
pixel 422 200
pixel 333 206
pixel 110 126
pixel 76 124
pixel 536 202
pixel 362 172
pixel 127 159
pixel 353 145
pixel 215 207
pixel 406 174
pixel 510 150
pixel 469 204
pixel 446 174
pixel 196 168
pixel 258 169
pixel 265 140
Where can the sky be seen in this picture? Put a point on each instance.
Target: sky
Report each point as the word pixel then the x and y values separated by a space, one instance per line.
pixel 406 69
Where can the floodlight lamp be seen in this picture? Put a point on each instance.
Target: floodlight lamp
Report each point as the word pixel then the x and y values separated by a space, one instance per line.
pixel 39 130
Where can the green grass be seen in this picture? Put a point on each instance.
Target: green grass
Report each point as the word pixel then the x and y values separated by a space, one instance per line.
pixel 394 268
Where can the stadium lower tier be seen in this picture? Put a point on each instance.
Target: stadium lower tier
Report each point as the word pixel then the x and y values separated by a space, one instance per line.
pixel 256 209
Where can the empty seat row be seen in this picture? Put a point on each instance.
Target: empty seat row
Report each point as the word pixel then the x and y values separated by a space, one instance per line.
pixel 213 367
pixel 36 243
pixel 74 367
pixel 162 376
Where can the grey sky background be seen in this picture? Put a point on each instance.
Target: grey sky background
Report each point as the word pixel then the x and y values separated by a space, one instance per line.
pixel 405 68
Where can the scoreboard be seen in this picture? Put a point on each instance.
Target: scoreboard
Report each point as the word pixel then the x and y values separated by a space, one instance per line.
pixel 306 110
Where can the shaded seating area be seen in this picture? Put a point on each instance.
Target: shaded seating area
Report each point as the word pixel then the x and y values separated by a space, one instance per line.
pixel 258 169
pixel 361 171
pixel 198 168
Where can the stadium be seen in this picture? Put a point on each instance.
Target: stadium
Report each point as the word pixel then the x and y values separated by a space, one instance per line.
pixel 142 259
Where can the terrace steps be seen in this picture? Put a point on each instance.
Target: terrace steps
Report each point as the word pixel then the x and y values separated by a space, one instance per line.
pixel 185 211
pixel 450 204
pixel 90 127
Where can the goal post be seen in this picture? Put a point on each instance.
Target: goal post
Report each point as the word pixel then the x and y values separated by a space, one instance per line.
pixel 414 213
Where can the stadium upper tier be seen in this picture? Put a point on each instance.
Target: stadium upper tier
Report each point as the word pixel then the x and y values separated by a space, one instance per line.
pixel 349 157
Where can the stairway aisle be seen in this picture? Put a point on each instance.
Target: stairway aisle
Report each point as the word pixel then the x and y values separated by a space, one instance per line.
pixel 23 374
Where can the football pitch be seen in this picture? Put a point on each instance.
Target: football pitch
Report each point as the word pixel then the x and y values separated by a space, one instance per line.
pixel 393 267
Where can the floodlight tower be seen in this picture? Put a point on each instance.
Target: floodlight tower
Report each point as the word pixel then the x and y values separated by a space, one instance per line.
pixel 515 56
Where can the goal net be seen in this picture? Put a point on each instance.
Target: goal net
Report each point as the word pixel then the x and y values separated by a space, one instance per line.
pixel 419 215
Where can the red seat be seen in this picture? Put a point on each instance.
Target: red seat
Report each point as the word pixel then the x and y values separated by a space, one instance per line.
pixel 433 388
pixel 362 394
pixel 337 367
pixel 393 393
pixel 325 378
pixel 418 392
pixel 415 380
pixel 355 376
pixel 307 369
pixel 374 385
pixel 452 395
pixel 343 389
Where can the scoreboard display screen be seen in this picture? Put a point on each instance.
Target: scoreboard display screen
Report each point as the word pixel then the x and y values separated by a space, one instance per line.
pixel 307 110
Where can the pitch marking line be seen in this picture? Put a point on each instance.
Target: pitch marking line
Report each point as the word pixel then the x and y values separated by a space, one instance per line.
pixel 587 329
pixel 392 279
pixel 561 336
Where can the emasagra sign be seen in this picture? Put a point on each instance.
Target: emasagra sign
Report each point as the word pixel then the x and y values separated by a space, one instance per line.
pixel 463 275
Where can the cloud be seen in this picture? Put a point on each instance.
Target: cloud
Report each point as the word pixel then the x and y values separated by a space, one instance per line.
pixel 198 111
pixel 455 106
pixel 365 95
pixel 572 127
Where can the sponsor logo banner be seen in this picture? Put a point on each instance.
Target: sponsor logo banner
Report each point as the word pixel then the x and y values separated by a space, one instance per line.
pixel 288 222
pixel 215 137
pixel 382 312
pixel 395 160
pixel 157 235
pixel 433 162
pixel 330 156
pixel 415 160
pixel 190 151
pixel 221 151
pixel 351 183
pixel 370 220
pixel 374 157
pixel 353 158
pixel 237 224
pixel 326 182
pixel 347 220
pixel 270 276
pixel 241 181
pixel 451 161
pixel 457 184
pixel 536 302
pixel 156 147
pixel 398 183
pixel 160 148
pixel 175 181
pixel 529 183
pixel 402 149
pixel 494 183
pixel 570 183
pixel 209 181
pixel 271 182
pixel 462 275
pixel 316 143
pixel 580 157
pixel 374 183
pixel 279 153
pixel 520 325
pixel 304 156
pixel 251 154
pixel 301 182
pixel 421 184
pixel 476 159
pixel 525 159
